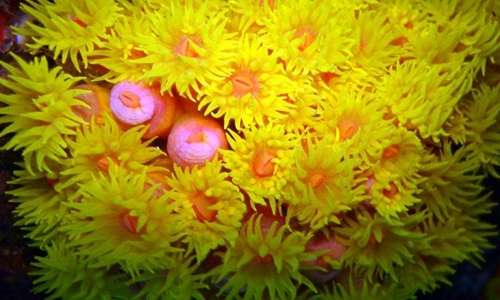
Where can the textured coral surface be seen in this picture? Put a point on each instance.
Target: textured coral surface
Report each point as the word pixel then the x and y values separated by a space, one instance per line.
pixel 307 149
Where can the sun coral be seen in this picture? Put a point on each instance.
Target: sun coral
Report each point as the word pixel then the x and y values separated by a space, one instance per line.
pixel 265 264
pixel 377 246
pixel 356 120
pixel 96 147
pixel 180 281
pixel 119 221
pixel 304 107
pixel 467 30
pixel 250 15
pixel 309 36
pixel 40 208
pixel 323 185
pixel 260 161
pixel 64 273
pixel 194 140
pixel 38 110
pixel 120 50
pixel 353 288
pixel 482 126
pixel 254 92
pixel 376 44
pixel 422 96
pixel 132 104
pixel 70 29
pixel 253 149
pixel 188 47
pixel 392 181
pixel 211 206
pixel 452 178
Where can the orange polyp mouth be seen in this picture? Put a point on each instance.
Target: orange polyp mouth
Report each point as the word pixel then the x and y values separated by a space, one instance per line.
pixel 245 82
pixel 136 53
pixel 391 191
pixel 316 180
pixel 198 137
pixel 347 128
pixel 327 77
pixel 130 100
pixel 79 22
pixel 103 163
pixel 201 206
pixel 129 222
pixel 262 165
pixel 391 152
pixel 399 41
pixel 266 260
pixel 309 36
pixel 184 48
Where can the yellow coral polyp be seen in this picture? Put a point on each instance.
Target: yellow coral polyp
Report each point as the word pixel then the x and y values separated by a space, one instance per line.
pixel 95 147
pixel 401 155
pixel 373 50
pixel 40 208
pixel 70 29
pixel 482 124
pixel 186 26
pixel 255 91
pixel 355 120
pixel 37 106
pixel 309 36
pixel 422 96
pixel 265 263
pixel 211 206
pixel 115 222
pixel 260 161
pixel 120 50
pixel 323 186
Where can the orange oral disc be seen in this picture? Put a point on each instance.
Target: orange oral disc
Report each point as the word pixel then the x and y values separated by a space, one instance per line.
pixel 308 34
pixel 391 191
pixel 184 48
pixel 316 180
pixel 244 82
pixel 347 129
pixel 129 223
pixel 103 164
pixel 201 206
pixel 391 152
pixel 262 164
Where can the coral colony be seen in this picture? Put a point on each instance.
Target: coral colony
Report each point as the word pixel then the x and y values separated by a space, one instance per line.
pixel 245 149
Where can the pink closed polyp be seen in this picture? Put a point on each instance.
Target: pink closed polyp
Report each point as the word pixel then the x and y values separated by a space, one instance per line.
pixel 132 115
pixel 195 140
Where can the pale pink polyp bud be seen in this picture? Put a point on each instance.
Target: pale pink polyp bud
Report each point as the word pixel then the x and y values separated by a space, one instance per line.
pixel 195 140
pixel 132 103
